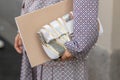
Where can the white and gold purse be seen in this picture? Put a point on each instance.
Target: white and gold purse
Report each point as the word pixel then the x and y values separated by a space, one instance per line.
pixel 56 33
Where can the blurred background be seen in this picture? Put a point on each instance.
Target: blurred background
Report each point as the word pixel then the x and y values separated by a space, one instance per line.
pixel 103 60
pixel 9 58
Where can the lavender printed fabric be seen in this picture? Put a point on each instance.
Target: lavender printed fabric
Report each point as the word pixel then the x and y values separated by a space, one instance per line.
pixel 85 36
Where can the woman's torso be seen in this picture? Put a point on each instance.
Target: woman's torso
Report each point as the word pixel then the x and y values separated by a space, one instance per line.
pixel 73 69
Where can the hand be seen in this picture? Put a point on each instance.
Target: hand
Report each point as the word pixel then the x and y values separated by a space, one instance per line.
pixel 66 56
pixel 18 43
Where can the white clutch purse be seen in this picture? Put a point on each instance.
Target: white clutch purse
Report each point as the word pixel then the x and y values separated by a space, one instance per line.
pixel 56 33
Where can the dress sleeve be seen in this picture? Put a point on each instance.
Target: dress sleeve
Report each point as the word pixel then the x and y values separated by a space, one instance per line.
pixel 85 30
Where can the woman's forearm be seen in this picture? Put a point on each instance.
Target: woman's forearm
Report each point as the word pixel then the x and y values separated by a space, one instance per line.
pixel 85 27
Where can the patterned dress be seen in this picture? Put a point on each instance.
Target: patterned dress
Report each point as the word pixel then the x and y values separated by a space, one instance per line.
pixel 85 36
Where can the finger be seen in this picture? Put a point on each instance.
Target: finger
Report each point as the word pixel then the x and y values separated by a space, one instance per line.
pixel 20 49
pixel 17 44
pixel 64 57
pixel 20 45
pixel 20 42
